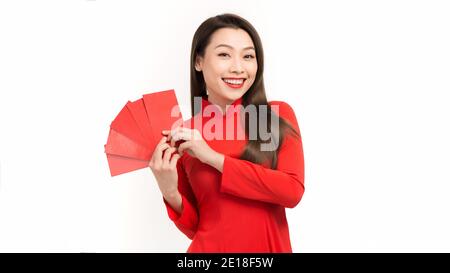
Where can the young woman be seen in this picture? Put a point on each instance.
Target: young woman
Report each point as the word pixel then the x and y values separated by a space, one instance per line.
pixel 229 193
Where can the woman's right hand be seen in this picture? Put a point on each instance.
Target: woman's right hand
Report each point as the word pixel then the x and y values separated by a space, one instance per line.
pixel 164 167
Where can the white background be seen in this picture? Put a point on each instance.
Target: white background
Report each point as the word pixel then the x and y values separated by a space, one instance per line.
pixel 368 80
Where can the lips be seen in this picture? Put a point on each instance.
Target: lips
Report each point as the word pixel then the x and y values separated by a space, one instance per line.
pixel 234 82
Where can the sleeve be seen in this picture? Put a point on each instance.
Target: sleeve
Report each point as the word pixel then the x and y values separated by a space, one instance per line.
pixel 187 220
pixel 283 186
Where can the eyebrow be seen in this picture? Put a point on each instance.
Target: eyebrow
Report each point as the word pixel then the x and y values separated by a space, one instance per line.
pixel 245 48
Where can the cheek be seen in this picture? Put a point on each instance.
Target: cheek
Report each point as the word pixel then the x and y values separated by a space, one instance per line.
pixel 220 69
pixel 211 75
pixel 252 68
pixel 217 68
pixel 252 73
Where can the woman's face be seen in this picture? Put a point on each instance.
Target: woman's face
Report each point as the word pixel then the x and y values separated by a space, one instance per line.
pixel 229 65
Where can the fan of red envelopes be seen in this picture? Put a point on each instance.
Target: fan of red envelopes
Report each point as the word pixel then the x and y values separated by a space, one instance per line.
pixel 137 129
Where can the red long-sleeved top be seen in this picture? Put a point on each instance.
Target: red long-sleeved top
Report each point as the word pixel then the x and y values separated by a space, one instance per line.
pixel 241 209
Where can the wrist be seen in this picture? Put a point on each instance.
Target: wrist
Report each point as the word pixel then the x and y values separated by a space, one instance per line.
pixel 216 160
pixel 175 201
pixel 173 195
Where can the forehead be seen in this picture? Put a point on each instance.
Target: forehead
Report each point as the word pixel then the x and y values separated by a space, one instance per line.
pixel 237 38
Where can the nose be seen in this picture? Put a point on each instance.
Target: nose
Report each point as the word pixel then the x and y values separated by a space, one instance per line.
pixel 236 67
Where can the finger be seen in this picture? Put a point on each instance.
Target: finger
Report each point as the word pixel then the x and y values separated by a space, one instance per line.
pixel 189 130
pixel 167 154
pixel 184 146
pixel 174 160
pixel 182 136
pixel 194 133
pixel 172 142
pixel 162 140
pixel 157 159
pixel 155 152
pixel 170 135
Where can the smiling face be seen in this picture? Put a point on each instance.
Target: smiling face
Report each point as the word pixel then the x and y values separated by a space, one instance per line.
pixel 229 65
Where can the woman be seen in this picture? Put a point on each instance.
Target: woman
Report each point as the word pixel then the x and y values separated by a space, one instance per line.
pixel 229 194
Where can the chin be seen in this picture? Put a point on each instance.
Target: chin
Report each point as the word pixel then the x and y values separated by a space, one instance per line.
pixel 235 96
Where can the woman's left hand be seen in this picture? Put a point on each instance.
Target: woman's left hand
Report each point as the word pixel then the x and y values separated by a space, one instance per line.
pixel 193 143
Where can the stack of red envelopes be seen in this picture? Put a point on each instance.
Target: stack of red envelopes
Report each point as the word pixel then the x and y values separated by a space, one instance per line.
pixel 137 129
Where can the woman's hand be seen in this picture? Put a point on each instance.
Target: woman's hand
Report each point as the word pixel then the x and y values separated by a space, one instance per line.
pixel 195 145
pixel 164 167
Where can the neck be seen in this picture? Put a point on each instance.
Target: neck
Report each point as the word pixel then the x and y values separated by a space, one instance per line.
pixel 220 102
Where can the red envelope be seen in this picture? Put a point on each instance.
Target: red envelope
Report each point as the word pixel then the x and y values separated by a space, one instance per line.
pixel 119 165
pixel 139 113
pixel 125 124
pixel 119 144
pixel 163 112
pixel 137 129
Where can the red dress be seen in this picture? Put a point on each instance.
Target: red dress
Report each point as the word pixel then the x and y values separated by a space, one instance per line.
pixel 241 209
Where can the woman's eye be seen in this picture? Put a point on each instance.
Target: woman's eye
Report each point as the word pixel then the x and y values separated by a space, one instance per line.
pixel 249 56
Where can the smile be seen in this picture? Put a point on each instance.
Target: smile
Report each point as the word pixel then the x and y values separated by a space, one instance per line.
pixel 234 82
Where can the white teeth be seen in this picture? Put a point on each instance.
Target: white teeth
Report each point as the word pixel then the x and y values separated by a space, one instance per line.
pixel 234 81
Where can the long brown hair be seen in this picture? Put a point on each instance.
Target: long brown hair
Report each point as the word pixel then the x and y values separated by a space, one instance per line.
pixel 256 95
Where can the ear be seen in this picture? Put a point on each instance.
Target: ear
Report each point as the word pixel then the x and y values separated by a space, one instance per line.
pixel 198 63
